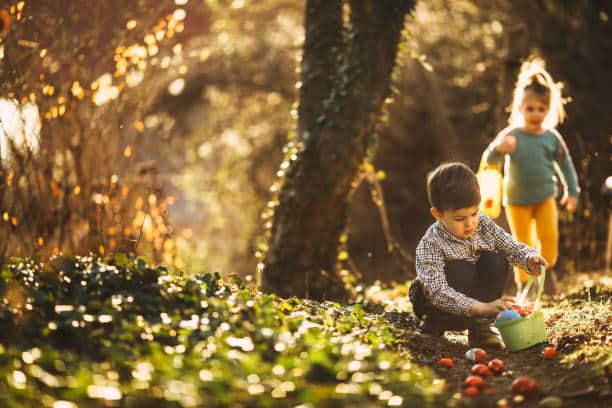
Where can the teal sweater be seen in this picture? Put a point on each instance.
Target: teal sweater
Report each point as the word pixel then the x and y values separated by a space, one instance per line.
pixel 530 172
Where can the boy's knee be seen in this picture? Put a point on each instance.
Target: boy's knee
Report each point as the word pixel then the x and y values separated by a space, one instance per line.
pixel 460 275
pixel 494 263
pixel 492 269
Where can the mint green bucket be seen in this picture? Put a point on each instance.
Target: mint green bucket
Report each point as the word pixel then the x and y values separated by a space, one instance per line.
pixel 527 331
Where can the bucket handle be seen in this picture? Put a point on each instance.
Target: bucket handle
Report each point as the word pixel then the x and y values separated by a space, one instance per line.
pixel 540 285
pixel 483 166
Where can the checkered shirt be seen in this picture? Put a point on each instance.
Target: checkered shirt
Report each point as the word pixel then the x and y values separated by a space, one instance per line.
pixel 439 246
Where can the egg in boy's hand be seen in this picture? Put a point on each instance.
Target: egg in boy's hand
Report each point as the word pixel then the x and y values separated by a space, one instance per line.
pixel 507 315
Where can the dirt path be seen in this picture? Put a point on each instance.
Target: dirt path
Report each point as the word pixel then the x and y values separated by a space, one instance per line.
pixel 579 326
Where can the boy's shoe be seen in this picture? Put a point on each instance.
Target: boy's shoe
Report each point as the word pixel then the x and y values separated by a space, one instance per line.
pixel 429 327
pixel 483 335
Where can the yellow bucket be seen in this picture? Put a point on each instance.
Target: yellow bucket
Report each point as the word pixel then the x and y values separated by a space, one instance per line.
pixel 490 182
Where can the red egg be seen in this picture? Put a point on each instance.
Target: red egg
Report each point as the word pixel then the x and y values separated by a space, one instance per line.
pixel 474 381
pixel 496 366
pixel 472 391
pixel 481 370
pixel 549 352
pixel 480 356
pixel 476 354
pixel 524 385
pixel 523 310
pixel 488 391
pixel 446 362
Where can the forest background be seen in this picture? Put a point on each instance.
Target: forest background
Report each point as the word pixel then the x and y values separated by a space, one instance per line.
pixel 163 125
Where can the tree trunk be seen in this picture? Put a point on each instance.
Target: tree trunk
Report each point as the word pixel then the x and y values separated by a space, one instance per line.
pixel 346 73
pixel 444 136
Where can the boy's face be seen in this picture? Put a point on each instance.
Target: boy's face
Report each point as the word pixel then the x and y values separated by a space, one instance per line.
pixel 461 222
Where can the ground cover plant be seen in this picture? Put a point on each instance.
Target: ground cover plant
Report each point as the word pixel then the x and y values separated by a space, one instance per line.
pixel 118 332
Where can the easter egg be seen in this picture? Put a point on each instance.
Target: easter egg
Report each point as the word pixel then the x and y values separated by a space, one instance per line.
pixel 496 366
pixel 481 370
pixel 446 362
pixel 549 352
pixel 525 309
pixel 551 402
pixel 524 385
pixel 474 381
pixel 472 391
pixel 506 315
pixel 502 403
pixel 476 354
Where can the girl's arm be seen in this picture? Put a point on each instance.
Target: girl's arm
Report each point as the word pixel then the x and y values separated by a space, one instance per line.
pixel 567 169
pixel 503 143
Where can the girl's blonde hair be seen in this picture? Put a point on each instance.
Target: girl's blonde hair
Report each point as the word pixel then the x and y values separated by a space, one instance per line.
pixel 534 77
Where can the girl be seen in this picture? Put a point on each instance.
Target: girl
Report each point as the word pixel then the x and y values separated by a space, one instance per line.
pixel 534 153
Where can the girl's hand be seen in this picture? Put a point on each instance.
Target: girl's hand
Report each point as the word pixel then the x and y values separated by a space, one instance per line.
pixel 570 203
pixel 507 144
pixel 534 262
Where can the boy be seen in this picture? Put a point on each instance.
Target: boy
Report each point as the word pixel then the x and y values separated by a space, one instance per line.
pixel 462 260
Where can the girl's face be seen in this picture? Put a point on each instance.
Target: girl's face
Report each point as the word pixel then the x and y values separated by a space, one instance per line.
pixel 534 109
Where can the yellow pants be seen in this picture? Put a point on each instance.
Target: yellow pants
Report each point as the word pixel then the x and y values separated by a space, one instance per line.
pixel 535 223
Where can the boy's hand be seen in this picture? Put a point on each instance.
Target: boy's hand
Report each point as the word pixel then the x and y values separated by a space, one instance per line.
pixel 490 309
pixel 535 262
pixel 570 203
pixel 507 144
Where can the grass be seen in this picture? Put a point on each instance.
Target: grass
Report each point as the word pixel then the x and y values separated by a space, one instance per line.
pixel 119 332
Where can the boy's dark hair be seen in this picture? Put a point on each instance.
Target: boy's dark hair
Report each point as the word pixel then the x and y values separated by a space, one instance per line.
pixel 451 186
